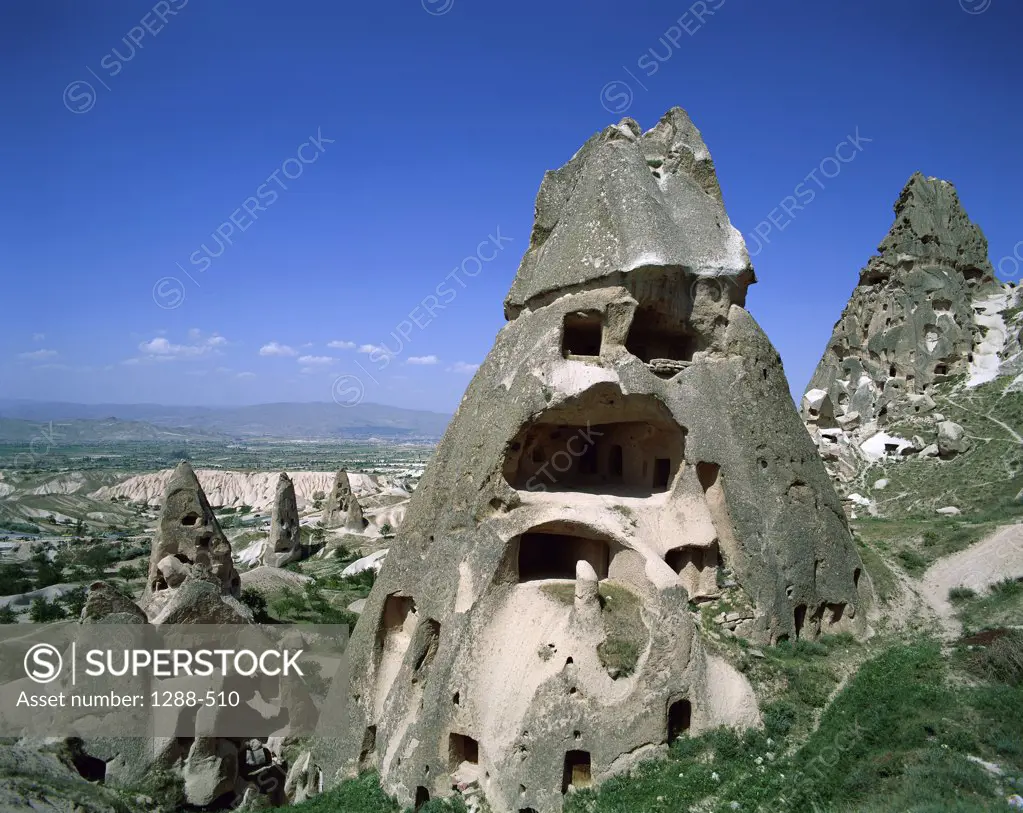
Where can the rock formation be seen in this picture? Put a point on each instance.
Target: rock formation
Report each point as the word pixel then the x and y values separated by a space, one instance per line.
pixel 212 772
pixel 927 311
pixel 285 543
pixel 627 450
pixel 354 521
pixel 335 510
pixel 187 534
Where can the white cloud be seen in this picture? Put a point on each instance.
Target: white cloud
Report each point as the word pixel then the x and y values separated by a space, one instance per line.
pixel 314 361
pixel 38 337
pixel 275 349
pixel 161 347
pixel 377 350
pixel 246 374
pixel 337 344
pixel 423 360
pixel 463 367
pixel 37 355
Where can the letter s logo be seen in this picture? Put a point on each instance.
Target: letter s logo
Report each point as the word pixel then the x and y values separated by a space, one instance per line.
pixel 43 663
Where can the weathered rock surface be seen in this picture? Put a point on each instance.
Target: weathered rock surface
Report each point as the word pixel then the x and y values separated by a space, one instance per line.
pixel 354 520
pixel 335 510
pixel 951 439
pixel 188 532
pixel 285 543
pixel 629 438
pixel 41 777
pixel 927 311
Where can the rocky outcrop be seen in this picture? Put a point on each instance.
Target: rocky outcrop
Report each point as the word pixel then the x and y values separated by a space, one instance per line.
pixel 627 450
pixel 927 312
pixel 285 543
pixel 335 510
pixel 187 534
pixel 354 520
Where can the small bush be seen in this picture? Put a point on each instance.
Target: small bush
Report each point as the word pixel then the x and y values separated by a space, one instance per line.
pixel 8 616
pixel 960 594
pixel 42 611
pixel 1007 588
pixel 257 603
pixel 912 561
pixel 74 601
pixel 619 656
pixel 1001 661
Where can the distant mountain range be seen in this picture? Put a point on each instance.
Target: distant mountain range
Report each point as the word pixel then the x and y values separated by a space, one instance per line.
pixel 20 420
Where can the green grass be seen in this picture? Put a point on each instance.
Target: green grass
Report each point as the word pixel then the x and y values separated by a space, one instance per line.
pixel 1001 605
pixel 886 583
pixel 895 738
pixel 364 795
pixel 916 542
pixel 985 479
pixel 625 633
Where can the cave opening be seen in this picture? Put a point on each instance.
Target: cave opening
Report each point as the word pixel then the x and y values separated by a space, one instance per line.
pixel 581 334
pixel 577 773
pixel 599 442
pixel 552 553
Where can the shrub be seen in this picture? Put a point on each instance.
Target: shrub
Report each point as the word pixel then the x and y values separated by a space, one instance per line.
pixel 42 611
pixel 257 603
pixel 1002 660
pixel 74 601
pixel 1007 588
pixel 619 656
pixel 12 580
pixel 912 561
pixel 8 616
pixel 960 594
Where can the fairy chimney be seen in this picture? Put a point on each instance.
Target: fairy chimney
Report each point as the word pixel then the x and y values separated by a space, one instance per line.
pixel 627 449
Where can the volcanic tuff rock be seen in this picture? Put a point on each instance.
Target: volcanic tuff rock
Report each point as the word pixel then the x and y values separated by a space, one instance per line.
pixel 187 534
pixel 285 543
pixel 335 510
pixel 628 445
pixel 354 520
pixel 927 310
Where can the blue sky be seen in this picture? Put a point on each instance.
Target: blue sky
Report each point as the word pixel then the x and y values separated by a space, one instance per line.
pixel 379 147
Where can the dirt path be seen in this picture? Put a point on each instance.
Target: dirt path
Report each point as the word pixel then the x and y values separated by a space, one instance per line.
pixel 996 557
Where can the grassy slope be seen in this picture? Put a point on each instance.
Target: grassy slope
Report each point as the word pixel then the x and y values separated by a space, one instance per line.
pixel 986 478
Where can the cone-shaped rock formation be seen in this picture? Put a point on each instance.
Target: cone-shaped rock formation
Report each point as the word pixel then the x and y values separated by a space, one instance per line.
pixel 354 520
pixel 285 543
pixel 628 446
pixel 927 309
pixel 187 534
pixel 335 511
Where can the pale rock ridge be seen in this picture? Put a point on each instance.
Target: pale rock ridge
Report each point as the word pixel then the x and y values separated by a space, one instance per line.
pixel 627 448
pixel 236 488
